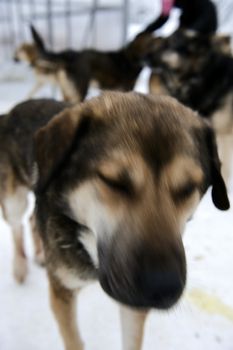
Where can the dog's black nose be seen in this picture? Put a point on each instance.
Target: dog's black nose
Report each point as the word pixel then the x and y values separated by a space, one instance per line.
pixel 15 58
pixel 147 281
pixel 160 288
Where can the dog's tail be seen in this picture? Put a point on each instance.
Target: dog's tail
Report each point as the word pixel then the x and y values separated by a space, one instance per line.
pixel 45 57
pixel 37 40
pixel 156 24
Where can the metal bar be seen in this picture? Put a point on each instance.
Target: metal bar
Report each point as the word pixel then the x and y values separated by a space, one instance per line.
pixel 20 30
pixel 20 12
pixel 49 22
pixel 125 20
pixel 68 23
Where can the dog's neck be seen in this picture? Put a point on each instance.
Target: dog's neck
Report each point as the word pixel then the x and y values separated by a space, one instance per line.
pixel 137 49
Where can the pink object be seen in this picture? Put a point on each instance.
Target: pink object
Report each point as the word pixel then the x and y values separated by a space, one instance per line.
pixel 167 6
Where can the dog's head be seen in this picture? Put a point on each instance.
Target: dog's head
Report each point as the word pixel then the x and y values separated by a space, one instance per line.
pixel 131 170
pixel 187 50
pixel 26 53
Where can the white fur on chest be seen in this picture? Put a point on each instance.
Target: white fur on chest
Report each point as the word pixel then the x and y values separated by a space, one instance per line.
pixel 94 84
pixel 70 279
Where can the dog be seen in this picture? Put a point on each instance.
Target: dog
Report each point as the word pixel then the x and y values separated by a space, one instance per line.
pixel 16 168
pixel 185 51
pixel 198 71
pixel 75 71
pixel 45 72
pixel 196 15
pixel 117 178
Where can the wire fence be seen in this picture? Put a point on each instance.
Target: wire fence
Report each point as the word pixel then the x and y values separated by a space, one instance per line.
pixel 74 23
pixel 57 18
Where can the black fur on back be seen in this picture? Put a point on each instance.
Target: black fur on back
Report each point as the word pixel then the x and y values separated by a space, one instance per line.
pixel 17 129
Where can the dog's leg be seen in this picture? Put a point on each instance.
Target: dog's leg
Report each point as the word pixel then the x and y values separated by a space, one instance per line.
pixel 38 245
pixel 156 85
pixel 20 267
pixel 70 92
pixel 14 207
pixel 35 88
pixel 63 303
pixel 132 324
pixel 225 147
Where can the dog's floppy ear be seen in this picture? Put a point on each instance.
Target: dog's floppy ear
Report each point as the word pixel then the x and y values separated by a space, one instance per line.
pixel 54 142
pixel 219 191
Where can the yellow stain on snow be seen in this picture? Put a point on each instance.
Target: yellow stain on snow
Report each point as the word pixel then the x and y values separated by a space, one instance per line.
pixel 210 303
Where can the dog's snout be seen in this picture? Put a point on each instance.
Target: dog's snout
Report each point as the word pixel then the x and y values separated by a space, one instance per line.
pixel 148 280
pixel 161 276
pixel 161 288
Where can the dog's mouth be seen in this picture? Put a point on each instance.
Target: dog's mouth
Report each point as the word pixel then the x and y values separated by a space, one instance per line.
pixel 148 283
pixel 162 297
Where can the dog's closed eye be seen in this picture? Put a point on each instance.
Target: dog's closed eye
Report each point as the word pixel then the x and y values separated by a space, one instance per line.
pixel 122 183
pixel 184 192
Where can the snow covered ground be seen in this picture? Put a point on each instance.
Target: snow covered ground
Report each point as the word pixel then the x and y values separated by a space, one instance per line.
pixel 202 320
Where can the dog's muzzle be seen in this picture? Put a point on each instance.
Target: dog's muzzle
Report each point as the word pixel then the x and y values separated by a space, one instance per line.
pixel 145 279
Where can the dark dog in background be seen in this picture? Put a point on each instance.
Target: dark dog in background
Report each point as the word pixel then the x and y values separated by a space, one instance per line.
pixel 198 71
pixel 16 171
pixel 75 71
pixel 118 177
pixel 196 15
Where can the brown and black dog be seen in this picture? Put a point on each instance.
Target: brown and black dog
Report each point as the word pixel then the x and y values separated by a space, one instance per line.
pixel 118 176
pixel 198 71
pixel 16 171
pixel 75 71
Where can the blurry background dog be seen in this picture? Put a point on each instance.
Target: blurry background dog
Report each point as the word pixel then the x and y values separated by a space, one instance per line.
pixel 196 15
pixel 198 71
pixel 17 129
pixel 74 71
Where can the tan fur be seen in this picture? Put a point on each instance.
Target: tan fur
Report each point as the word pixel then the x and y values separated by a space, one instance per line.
pixel 180 171
pixel 63 302
pixel 156 86
pixel 68 90
pixel 38 247
pixel 171 59
pixel 222 122
pixel 27 52
pixel 132 326
pixel 14 204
